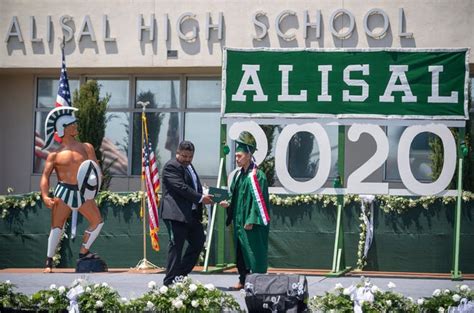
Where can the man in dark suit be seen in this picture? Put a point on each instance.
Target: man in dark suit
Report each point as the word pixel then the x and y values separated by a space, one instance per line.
pixel 181 209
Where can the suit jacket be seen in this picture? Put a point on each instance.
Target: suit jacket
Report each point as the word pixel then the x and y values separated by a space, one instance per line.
pixel 179 194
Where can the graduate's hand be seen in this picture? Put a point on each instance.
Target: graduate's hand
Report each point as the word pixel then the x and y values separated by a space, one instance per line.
pixel 248 226
pixel 207 199
pixel 224 204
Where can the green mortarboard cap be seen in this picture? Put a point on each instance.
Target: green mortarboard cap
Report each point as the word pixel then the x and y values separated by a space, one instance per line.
pixel 246 143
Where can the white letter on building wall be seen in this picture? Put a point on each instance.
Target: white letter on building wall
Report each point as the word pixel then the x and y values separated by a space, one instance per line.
pixel 106 30
pixel 259 24
pixel 49 33
pixel 86 24
pixel 346 96
pixel 350 29
pixel 210 26
pixel 386 23
pixel 250 72
pixel 280 17
pixel 398 72
pixel 324 69
pixel 285 82
pixel 165 27
pixel 316 25
pixel 142 27
pixel 33 31
pixel 435 97
pixel 63 20
pixel 181 19
pixel 401 19
pixel 14 33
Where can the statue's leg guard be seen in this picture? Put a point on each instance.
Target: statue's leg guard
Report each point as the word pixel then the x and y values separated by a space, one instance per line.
pixel 92 236
pixel 53 240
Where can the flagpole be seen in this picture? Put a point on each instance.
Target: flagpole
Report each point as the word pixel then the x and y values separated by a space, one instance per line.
pixel 144 264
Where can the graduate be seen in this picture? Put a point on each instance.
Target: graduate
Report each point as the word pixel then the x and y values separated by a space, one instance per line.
pixel 247 209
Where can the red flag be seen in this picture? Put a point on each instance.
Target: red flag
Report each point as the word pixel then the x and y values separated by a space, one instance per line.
pixel 152 186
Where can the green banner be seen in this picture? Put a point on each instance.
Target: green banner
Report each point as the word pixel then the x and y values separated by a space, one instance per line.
pixel 372 83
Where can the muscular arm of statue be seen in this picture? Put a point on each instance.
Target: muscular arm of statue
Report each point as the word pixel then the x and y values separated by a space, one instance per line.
pixel 44 183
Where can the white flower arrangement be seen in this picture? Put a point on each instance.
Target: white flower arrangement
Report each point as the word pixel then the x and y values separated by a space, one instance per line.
pixel 184 295
pixel 362 297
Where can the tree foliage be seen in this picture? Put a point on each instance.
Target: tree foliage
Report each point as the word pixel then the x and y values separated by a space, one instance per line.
pixel 92 120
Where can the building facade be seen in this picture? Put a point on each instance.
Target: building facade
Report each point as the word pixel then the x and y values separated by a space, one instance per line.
pixel 170 54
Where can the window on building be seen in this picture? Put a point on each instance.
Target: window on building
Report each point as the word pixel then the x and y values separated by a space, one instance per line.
pixel 163 116
pixel 202 123
pixel 115 144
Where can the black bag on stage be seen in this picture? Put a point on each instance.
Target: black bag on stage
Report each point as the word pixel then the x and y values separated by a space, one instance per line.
pixel 91 265
pixel 276 293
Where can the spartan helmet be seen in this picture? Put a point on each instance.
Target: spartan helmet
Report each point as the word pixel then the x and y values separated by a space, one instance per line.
pixel 57 119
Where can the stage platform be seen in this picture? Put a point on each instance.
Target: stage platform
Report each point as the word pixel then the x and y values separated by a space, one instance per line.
pixel 132 283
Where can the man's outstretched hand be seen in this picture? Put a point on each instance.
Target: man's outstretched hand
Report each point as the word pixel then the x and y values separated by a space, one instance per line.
pixel 207 199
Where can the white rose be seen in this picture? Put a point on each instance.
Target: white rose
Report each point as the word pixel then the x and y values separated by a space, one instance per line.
pixel 61 289
pixel 88 289
pixel 99 304
pixel 446 291
pixel 123 300
pixel 456 298
pixel 441 309
pixel 104 284
pixel 195 303
pixel 464 288
pixel 96 286
pixel 150 305
pixel 338 286
pixel 420 301
pixel 437 292
pixel 50 300
pixel 209 287
pixel 8 282
pixel 178 304
pixel 163 289
pixel 374 289
pixel 52 286
pixel 411 299
pixel 151 284
pixel 193 287
pixel 389 303
pixel 391 285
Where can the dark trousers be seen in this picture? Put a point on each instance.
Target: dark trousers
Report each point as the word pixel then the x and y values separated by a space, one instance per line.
pixel 241 267
pixel 178 264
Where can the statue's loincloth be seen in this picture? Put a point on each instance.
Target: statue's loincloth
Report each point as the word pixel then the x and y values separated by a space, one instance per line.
pixel 69 194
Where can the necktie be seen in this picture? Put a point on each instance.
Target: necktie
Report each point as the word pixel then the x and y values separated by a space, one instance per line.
pixel 189 168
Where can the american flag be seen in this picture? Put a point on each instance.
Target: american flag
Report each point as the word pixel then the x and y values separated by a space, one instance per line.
pixel 152 186
pixel 63 97
pixel 64 94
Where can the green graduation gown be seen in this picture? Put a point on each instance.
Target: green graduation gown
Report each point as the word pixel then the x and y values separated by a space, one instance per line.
pixel 245 210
